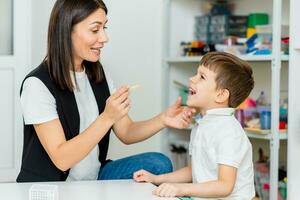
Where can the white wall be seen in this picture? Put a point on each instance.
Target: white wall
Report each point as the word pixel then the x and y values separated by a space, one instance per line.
pixel 40 17
pixel 6 18
pixel 132 56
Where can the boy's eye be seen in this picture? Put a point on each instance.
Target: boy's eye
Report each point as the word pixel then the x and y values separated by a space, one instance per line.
pixel 105 27
pixel 202 77
pixel 95 31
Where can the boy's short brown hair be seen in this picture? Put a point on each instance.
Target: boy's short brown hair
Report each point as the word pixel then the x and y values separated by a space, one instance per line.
pixel 232 73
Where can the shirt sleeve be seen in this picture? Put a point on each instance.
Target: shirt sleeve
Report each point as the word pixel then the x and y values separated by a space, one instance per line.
pixel 37 102
pixel 232 149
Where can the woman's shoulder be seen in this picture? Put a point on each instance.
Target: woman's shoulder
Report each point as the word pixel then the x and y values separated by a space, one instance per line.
pixel 33 83
pixel 37 102
pixel 39 72
pixel 39 77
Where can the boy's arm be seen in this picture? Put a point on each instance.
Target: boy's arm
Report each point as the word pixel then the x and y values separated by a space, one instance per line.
pixel 183 175
pixel 217 189
pixel 222 187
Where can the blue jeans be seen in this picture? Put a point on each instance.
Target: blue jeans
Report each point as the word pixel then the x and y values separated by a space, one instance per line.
pixel 155 163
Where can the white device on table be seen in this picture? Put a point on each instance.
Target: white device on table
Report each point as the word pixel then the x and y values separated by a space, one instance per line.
pixel 43 192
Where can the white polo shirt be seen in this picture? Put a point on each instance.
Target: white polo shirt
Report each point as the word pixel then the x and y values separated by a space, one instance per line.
pixel 218 138
pixel 39 106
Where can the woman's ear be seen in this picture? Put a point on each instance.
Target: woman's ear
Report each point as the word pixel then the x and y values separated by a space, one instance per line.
pixel 222 96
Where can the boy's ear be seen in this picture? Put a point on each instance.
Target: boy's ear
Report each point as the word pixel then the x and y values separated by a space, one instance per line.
pixel 222 96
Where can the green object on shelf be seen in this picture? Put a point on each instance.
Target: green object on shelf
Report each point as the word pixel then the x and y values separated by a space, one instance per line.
pixel 257 19
pixel 282 189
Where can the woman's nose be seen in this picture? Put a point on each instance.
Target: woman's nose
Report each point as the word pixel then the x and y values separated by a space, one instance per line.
pixel 103 37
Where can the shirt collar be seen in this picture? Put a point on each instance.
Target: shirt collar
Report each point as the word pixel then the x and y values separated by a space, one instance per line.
pixel 220 111
pixel 78 74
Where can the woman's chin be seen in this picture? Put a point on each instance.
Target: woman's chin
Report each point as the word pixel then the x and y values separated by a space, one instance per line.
pixel 94 59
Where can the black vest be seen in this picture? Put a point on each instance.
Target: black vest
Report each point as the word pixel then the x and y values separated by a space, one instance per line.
pixel 36 164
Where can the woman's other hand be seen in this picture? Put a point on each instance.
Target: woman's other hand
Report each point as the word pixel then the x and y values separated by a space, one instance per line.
pixel 177 116
pixel 118 104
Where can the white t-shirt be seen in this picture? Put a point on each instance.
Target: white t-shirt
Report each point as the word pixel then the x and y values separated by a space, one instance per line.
pixel 39 106
pixel 218 138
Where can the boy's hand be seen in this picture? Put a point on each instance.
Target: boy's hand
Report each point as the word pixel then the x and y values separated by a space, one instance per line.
pixel 177 116
pixel 144 176
pixel 169 190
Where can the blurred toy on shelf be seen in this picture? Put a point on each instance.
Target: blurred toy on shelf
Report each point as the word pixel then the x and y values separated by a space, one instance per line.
pixel 195 48
pixel 201 28
pixel 260 42
pixel 179 154
pixel 249 114
pixel 220 30
pixel 255 47
pixel 262 178
pixel 255 115
pixel 283 114
pixel 285 43
pixel 283 188
pixel 220 7
pixel 255 19
pixel 237 26
pixel 262 99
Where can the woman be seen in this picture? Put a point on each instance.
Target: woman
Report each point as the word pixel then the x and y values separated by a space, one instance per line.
pixel 68 109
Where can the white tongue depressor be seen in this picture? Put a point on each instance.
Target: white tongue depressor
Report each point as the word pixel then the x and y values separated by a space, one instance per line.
pixel 134 87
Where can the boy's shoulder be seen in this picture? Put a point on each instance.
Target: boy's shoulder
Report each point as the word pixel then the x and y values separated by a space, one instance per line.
pixel 222 123
pixel 221 128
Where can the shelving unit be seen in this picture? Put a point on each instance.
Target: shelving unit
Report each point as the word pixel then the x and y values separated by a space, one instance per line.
pixel 185 59
pixel 260 134
pixel 178 23
pixel 294 96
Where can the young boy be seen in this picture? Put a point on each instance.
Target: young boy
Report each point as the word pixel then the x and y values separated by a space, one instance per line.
pixel 220 151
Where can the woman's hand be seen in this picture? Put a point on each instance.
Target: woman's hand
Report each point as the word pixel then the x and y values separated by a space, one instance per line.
pixel 144 176
pixel 118 104
pixel 178 116
pixel 169 190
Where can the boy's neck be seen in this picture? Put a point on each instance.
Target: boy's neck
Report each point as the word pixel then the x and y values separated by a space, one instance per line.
pixel 203 111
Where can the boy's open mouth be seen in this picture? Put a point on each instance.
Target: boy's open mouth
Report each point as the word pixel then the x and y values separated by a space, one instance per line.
pixel 192 91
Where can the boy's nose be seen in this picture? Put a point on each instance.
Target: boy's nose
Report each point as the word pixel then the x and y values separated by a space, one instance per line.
pixel 192 78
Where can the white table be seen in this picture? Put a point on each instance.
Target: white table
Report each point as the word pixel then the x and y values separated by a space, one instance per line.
pixel 86 190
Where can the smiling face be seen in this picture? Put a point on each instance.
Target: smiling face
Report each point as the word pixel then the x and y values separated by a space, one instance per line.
pixel 88 37
pixel 204 94
pixel 202 88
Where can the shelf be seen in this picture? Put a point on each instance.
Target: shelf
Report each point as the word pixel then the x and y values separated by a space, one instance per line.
pixel 177 13
pixel 264 134
pixel 258 133
pixel 191 59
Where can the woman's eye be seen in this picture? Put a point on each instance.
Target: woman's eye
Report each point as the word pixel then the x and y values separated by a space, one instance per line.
pixel 105 27
pixel 95 31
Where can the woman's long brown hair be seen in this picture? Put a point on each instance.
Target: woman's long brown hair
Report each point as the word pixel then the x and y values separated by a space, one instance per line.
pixel 65 14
